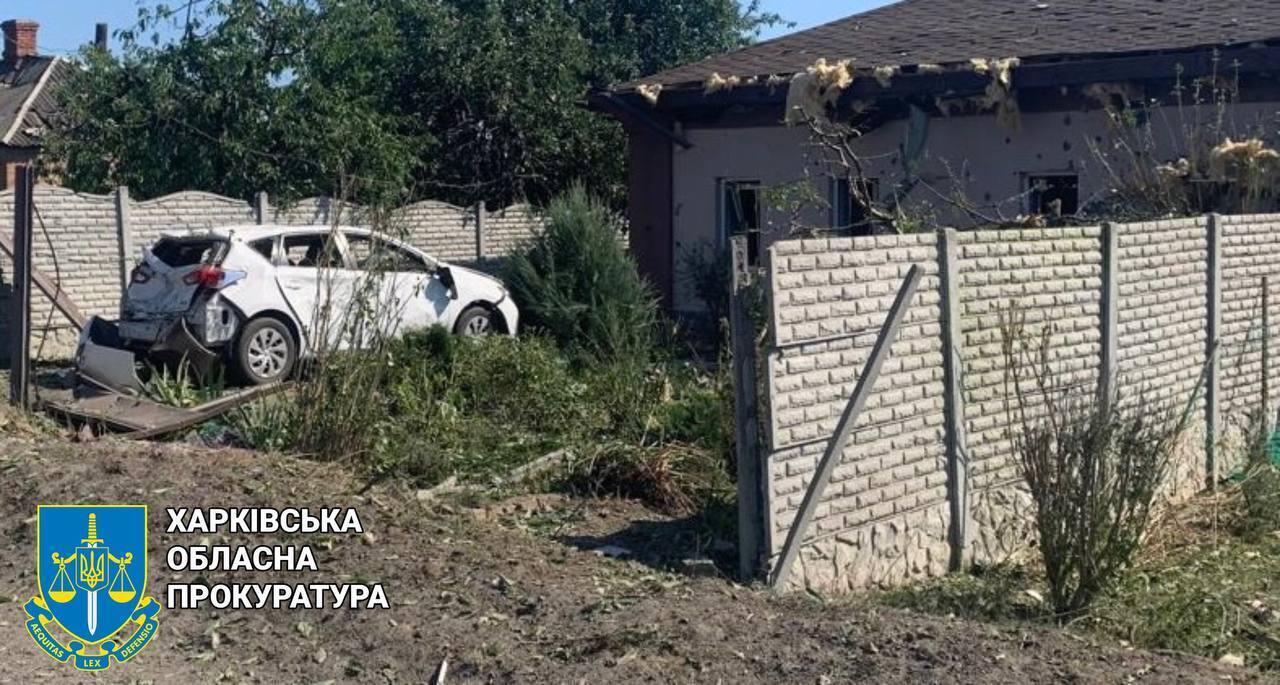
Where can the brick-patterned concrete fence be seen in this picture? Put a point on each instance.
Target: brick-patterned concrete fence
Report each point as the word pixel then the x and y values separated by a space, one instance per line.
pixel 929 479
pixel 78 238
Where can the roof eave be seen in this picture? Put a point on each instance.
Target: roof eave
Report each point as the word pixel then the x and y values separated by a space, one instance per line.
pixel 959 82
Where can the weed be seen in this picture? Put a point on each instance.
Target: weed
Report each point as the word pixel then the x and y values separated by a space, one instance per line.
pixel 268 425
pixel 182 386
pixel 1001 593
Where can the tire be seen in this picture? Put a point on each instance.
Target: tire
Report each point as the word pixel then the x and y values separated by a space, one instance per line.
pixel 477 322
pixel 265 352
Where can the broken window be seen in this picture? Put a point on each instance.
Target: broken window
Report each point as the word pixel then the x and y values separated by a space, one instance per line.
pixel 847 212
pixel 740 214
pixel 371 254
pixel 312 250
pixel 177 253
pixel 1053 195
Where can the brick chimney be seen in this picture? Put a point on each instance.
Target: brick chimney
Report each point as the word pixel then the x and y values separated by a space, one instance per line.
pixel 19 39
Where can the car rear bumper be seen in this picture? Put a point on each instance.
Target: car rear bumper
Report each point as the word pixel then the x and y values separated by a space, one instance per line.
pixel 105 358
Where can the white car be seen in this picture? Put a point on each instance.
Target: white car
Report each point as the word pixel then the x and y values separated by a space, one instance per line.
pixel 263 297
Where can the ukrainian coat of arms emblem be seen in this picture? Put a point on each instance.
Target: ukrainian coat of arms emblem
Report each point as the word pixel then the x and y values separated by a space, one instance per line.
pixel 91 564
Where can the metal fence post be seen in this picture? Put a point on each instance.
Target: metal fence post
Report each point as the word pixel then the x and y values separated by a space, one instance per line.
pixel 953 399
pixel 1110 312
pixel 1212 396
pixel 745 411
pixel 124 239
pixel 20 312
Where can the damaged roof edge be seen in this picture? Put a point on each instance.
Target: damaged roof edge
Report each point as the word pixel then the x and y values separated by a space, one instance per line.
pixel 960 79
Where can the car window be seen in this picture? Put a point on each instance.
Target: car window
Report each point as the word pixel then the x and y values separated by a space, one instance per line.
pixel 315 250
pixel 263 247
pixel 372 254
pixel 179 253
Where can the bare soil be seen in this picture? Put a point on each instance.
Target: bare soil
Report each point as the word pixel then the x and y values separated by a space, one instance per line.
pixel 510 592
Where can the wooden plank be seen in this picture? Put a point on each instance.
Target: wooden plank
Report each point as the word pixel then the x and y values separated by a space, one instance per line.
pixel 861 393
pixel 20 304
pixel 51 289
pixel 745 411
pixel 953 399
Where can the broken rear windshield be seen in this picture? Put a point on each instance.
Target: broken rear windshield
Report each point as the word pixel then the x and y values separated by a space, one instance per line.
pixel 180 253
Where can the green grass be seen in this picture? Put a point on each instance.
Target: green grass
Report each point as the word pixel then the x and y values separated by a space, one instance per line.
pixel 1207 583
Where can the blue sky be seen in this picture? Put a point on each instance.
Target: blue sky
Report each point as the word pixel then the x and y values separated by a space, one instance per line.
pixel 67 24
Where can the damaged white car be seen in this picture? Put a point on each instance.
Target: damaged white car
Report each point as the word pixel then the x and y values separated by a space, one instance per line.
pixel 260 298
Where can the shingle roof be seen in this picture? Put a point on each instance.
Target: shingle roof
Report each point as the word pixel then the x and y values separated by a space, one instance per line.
pixel 950 31
pixel 26 92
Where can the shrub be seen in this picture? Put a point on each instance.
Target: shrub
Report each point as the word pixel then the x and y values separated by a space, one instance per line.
pixel 1093 470
pixel 578 284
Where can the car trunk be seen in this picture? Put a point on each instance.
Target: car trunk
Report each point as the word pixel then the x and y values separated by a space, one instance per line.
pixel 165 282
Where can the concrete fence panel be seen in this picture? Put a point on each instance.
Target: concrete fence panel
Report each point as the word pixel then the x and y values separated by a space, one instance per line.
pixel 931 479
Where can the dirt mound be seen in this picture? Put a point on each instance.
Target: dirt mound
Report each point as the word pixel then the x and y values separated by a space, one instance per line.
pixel 502 605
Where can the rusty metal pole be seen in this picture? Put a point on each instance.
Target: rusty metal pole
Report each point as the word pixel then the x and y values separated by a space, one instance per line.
pixel 20 304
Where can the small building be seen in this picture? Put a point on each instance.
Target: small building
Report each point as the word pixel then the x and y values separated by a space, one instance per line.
pixel 969 112
pixel 27 103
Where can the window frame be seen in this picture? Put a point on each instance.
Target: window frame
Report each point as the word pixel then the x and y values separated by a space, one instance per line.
pixel 723 234
pixel 1034 203
pixel 845 222
pixel 330 240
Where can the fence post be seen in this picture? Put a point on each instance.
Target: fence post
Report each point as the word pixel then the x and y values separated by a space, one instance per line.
pixel 20 305
pixel 1212 396
pixel 1266 355
pixel 480 226
pixel 1110 313
pixel 953 369
pixel 745 411
pixel 261 206
pixel 124 239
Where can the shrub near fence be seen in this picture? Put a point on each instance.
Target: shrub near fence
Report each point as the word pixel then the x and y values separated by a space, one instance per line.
pixel 1142 300
pixel 78 239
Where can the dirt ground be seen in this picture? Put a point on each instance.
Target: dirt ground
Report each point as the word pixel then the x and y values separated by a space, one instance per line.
pixel 516 592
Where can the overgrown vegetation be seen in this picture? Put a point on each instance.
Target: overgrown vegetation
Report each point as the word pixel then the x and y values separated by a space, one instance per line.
pixel 585 375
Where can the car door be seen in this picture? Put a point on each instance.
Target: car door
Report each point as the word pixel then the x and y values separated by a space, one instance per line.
pixel 317 285
pixel 403 280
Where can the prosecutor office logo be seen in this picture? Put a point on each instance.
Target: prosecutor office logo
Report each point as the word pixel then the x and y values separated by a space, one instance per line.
pixel 91 564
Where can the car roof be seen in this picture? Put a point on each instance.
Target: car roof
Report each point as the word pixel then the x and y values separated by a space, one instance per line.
pixel 252 232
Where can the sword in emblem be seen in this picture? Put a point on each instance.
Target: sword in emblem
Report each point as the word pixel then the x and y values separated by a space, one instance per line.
pixel 92 572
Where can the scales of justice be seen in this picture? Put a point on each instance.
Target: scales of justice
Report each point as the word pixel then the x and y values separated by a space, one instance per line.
pixel 93 563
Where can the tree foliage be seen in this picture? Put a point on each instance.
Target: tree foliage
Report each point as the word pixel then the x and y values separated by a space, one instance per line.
pixel 578 284
pixel 459 100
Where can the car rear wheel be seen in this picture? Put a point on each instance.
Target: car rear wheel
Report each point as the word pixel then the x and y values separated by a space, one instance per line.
pixel 265 352
pixel 477 322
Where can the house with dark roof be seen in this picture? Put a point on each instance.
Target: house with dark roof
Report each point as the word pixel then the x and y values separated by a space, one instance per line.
pixel 27 84
pixel 965 109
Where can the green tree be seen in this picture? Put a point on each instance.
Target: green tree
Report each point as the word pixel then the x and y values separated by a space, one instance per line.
pixel 458 100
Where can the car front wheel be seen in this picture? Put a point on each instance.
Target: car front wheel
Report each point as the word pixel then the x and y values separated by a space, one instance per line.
pixel 477 322
pixel 265 352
